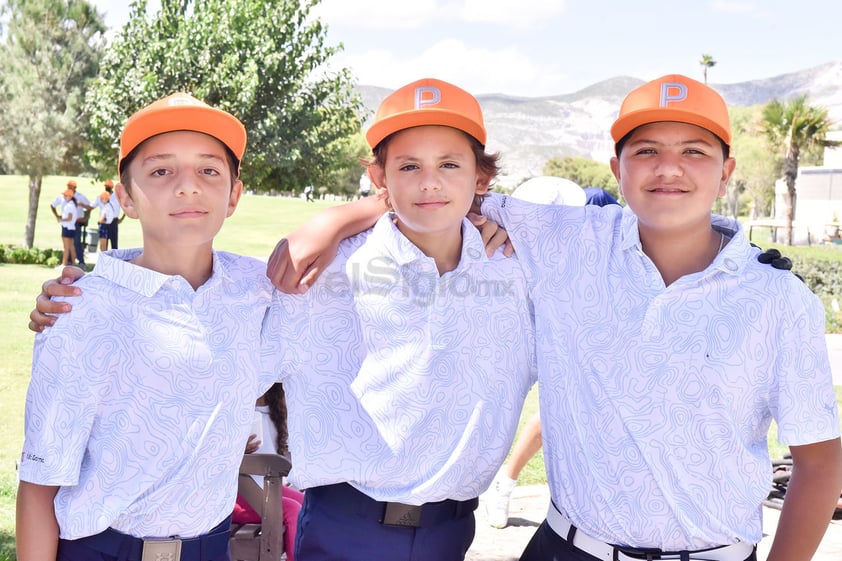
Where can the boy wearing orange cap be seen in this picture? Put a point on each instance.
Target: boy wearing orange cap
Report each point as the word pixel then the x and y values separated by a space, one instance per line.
pixel 396 425
pixel 83 208
pixel 667 352
pixel 132 448
pixel 67 221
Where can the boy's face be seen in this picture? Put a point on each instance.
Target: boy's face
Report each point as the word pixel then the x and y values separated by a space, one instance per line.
pixel 671 173
pixel 431 178
pixel 181 189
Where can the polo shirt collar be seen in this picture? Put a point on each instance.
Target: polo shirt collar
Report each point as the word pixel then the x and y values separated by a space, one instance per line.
pixel 404 252
pixel 114 265
pixel 733 258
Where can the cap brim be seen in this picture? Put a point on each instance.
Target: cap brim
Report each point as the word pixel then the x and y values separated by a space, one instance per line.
pixel 631 121
pixel 196 118
pixel 419 118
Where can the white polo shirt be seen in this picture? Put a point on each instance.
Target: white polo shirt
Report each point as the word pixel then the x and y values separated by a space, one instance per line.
pixel 656 401
pixel 70 209
pixel 411 384
pixel 106 210
pixel 145 426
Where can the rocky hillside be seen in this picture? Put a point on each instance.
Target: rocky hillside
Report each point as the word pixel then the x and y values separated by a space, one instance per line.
pixel 528 131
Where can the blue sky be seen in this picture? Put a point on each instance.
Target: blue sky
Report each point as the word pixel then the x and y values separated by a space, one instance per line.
pixel 548 47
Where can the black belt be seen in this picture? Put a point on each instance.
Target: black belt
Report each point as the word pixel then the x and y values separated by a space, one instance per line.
pixel 213 545
pixel 344 499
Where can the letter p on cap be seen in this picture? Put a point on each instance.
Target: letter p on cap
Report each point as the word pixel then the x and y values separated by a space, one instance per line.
pixel 427 95
pixel 672 91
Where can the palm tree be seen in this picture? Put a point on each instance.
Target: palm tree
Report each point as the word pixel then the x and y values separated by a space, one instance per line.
pixel 707 62
pixel 791 127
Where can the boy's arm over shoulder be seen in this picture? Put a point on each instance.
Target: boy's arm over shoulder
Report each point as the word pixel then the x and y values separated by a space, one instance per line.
pixel 811 497
pixel 36 528
pixel 300 258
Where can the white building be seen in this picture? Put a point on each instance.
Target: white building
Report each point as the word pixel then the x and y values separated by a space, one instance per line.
pixel 819 203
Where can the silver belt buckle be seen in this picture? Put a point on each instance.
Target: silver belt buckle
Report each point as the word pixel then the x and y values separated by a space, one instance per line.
pixel 161 550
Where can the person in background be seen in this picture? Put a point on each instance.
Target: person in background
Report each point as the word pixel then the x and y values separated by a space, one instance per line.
pixel 83 209
pixel 272 438
pixel 106 217
pixel 67 221
pixel 599 197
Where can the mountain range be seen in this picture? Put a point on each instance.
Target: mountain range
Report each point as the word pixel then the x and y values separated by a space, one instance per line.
pixel 530 130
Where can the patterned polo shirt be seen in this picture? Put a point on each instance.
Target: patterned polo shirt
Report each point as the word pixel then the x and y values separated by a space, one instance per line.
pixel 410 384
pixel 656 400
pixel 142 399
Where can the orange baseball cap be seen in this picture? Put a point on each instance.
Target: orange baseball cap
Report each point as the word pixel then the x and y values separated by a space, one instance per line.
pixel 427 102
pixel 71 184
pixel 108 183
pixel 182 112
pixel 104 196
pixel 68 192
pixel 674 98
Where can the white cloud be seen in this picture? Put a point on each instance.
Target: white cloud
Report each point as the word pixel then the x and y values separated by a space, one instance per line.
pixel 376 14
pixel 742 8
pixel 521 14
pixel 392 14
pixel 476 69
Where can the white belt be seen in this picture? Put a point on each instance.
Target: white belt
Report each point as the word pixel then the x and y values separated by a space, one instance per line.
pixel 592 546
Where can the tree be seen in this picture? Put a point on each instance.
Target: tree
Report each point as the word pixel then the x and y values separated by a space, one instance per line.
pixel 51 51
pixel 583 171
pixel 707 62
pixel 345 179
pixel 754 176
pixel 264 61
pixel 792 127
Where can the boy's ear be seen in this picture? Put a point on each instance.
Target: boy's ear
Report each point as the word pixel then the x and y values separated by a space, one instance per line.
pixel 234 197
pixel 483 181
pixel 377 175
pixel 728 167
pixel 615 169
pixel 125 200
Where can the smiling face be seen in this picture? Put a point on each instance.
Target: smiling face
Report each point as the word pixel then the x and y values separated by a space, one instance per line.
pixel 431 177
pixel 181 190
pixel 670 175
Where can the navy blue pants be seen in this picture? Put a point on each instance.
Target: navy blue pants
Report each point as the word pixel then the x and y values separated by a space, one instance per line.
pixel 546 545
pixel 111 545
pixel 339 522
pixel 79 242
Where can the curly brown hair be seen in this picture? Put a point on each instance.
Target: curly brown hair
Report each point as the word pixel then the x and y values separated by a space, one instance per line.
pixel 276 401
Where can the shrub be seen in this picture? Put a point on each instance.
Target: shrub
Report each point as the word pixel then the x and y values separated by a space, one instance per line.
pixel 23 256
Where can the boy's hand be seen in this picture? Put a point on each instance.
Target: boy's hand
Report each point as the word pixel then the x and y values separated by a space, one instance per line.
pixel 493 235
pixel 43 314
pixel 298 260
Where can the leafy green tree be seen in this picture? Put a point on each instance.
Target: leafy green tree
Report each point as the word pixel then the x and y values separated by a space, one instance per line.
pixel 792 127
pixel 264 61
pixel 584 171
pixel 50 52
pixel 345 179
pixel 707 62
pixel 754 176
